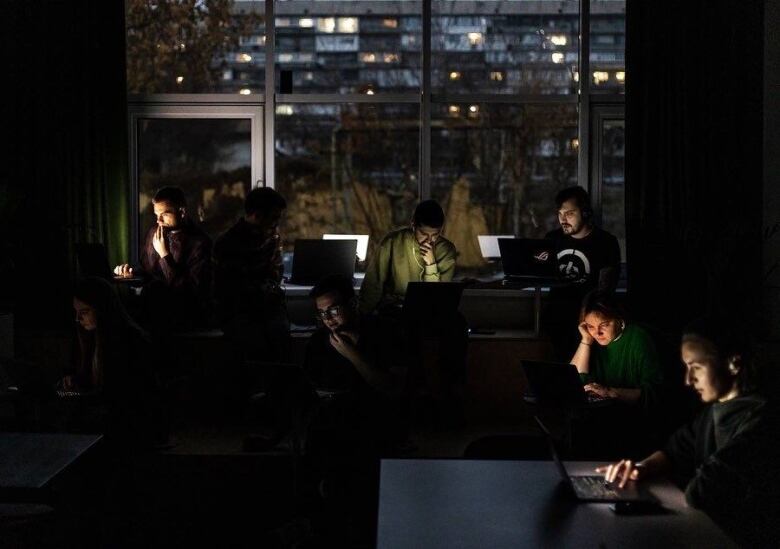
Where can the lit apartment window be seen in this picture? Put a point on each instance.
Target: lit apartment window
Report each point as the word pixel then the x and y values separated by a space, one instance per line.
pixel 285 58
pixel 599 77
pixel 475 38
pixel 390 58
pixel 306 22
pixel 282 22
pixel 473 110
pixel 390 23
pixel 227 74
pixel 179 79
pixel 368 57
pixel 243 58
pixel 558 39
pixel 453 110
pixel 558 57
pixel 326 24
pixel 245 91
pixel 347 24
pixel 285 110
pixel 497 76
pixel 620 76
pixel 454 75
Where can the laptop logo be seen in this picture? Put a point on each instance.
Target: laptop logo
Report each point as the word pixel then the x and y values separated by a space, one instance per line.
pixel 541 257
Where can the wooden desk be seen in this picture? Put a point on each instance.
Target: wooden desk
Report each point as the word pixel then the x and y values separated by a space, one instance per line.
pixel 473 504
pixel 29 461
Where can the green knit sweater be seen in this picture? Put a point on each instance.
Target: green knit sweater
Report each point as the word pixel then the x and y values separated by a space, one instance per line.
pixel 396 262
pixel 629 362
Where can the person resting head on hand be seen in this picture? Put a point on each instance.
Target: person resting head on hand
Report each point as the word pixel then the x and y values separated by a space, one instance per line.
pixel 616 359
pixel 726 458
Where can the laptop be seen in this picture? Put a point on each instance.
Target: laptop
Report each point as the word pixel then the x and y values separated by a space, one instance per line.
pixel 488 244
pixel 593 488
pixel 314 258
pixel 556 383
pixel 432 303
pixel 362 242
pixel 529 260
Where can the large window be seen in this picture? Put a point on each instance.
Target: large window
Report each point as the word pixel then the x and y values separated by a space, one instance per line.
pixel 486 106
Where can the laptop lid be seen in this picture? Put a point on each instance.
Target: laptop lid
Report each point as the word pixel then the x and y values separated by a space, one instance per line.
pixel 432 301
pixel 362 242
pixel 553 451
pixel 488 244
pixel 553 383
pixel 526 257
pixel 314 258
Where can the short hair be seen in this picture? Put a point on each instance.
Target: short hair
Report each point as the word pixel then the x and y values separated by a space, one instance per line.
pixel 336 284
pixel 602 303
pixel 172 195
pixel 580 197
pixel 428 212
pixel 263 201
pixel 721 341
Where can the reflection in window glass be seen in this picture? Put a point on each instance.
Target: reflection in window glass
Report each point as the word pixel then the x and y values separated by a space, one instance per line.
pixel 347 168
pixel 209 159
pixel 496 169
pixel 350 46
pixel 608 45
pixel 513 47
pixel 193 47
pixel 613 199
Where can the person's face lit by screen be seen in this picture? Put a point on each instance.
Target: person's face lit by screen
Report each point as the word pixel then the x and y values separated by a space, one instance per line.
pixel 85 315
pixel 167 215
pixel 333 313
pixel 426 235
pixel 701 373
pixel 570 218
pixel 603 330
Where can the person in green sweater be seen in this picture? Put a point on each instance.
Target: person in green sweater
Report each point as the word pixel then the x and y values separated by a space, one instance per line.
pixel 411 254
pixel 616 359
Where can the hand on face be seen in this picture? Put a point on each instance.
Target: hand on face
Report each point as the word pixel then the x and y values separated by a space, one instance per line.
pixel 345 343
pixel 426 251
pixel 584 333
pixel 158 241
pixel 620 472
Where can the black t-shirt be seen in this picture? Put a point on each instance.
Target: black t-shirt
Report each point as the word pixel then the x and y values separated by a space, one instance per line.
pixel 581 260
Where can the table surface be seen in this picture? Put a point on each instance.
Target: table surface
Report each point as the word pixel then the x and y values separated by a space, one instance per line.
pixel 469 503
pixel 31 460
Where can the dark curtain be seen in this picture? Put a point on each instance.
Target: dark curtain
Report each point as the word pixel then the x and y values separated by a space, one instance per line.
pixel 694 159
pixel 65 179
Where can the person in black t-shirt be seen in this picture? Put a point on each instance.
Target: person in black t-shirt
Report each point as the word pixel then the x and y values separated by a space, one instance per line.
pixel 726 458
pixel 588 257
pixel 357 364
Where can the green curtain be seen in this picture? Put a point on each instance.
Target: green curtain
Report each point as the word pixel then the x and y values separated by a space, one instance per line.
pixel 66 178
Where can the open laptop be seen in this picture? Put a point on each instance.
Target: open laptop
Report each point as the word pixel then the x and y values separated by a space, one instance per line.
pixel 556 383
pixel 362 242
pixel 315 258
pixel 488 244
pixel 432 302
pixel 529 260
pixel 593 488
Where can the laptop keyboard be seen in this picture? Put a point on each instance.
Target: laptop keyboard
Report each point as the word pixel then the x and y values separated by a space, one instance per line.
pixel 594 486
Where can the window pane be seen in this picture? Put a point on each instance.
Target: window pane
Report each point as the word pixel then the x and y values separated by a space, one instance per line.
pixel 522 46
pixel 613 199
pixel 209 159
pixel 496 169
pixel 608 45
pixel 347 168
pixel 195 47
pixel 350 46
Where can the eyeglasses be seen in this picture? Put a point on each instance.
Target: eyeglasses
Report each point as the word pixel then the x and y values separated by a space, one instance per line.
pixel 330 312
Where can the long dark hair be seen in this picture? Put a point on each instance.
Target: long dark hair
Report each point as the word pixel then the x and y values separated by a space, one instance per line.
pixel 109 338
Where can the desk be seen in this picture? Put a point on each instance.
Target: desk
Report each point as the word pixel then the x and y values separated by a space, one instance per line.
pixel 474 504
pixel 29 461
